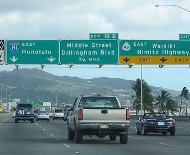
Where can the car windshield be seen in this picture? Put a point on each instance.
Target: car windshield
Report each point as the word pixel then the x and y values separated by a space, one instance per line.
pixel 155 116
pixel 42 112
pixel 36 111
pixel 99 102
pixel 58 111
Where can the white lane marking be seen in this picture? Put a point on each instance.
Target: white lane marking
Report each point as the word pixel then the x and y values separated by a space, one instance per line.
pixel 66 145
pixel 165 144
pixel 38 125
pixel 52 135
pixel 76 152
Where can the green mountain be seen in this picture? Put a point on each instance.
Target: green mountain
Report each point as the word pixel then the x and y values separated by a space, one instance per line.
pixel 38 85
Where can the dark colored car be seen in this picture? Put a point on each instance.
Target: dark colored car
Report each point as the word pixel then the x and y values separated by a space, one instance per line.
pixel 36 113
pixel 155 123
pixel 24 115
pixel 24 112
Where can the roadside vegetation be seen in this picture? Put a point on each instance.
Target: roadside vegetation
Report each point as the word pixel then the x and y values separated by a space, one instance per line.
pixel 162 101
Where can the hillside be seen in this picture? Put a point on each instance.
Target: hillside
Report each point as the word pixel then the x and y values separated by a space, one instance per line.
pixel 38 85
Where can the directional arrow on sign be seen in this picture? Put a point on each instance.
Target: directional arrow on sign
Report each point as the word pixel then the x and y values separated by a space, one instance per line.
pixel 14 59
pixel 51 59
pixel 126 59
pixel 163 59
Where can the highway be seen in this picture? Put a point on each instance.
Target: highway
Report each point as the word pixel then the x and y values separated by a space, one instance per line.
pixel 50 138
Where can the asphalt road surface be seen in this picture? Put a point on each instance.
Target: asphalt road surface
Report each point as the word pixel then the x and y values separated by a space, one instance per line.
pixel 50 138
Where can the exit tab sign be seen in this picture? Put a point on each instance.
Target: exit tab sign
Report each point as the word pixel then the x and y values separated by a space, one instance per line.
pixel 184 36
pixel 104 36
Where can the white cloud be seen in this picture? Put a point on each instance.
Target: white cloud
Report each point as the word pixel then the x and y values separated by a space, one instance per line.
pixel 73 19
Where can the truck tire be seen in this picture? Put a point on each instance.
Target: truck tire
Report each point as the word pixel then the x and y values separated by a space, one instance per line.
pixel 172 133
pixel 138 132
pixel 78 137
pixel 144 132
pixel 32 121
pixel 71 134
pixel 124 138
pixel 112 137
pixel 164 133
pixel 16 121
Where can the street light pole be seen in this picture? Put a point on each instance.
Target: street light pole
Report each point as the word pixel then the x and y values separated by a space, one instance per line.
pixel 174 6
pixel 141 90
pixel 6 94
pixel 56 99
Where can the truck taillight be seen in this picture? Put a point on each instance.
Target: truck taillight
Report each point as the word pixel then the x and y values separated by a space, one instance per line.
pixel 80 114
pixel 127 114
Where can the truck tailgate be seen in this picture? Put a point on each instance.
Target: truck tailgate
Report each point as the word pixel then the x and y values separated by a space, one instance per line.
pixel 104 115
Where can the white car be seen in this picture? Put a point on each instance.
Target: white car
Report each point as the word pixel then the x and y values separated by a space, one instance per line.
pixel 58 114
pixel 14 113
pixel 50 114
pixel 42 115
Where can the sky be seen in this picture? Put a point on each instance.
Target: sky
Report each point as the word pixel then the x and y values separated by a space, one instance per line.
pixel 74 19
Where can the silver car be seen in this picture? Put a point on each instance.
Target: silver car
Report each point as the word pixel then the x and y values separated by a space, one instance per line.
pixel 42 115
pixel 58 114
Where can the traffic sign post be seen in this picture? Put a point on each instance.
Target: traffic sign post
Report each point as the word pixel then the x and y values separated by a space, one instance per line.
pixel 32 52
pixel 154 52
pixel 89 52
pixel 2 52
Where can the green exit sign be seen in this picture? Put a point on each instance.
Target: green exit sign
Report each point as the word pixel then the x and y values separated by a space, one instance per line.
pixel 32 52
pixel 103 35
pixel 184 36
pixel 89 52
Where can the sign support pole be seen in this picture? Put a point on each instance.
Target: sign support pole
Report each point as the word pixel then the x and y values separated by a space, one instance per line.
pixel 141 90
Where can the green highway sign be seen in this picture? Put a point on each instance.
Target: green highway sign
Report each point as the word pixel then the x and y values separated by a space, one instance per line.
pixel 184 37
pixel 154 52
pixel 32 52
pixel 89 52
pixel 154 48
pixel 103 35
pixel 23 102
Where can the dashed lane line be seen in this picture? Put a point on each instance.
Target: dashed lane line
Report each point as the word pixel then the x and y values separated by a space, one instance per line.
pixel 51 135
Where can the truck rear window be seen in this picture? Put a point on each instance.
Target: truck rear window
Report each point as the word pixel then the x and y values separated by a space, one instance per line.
pixel 99 102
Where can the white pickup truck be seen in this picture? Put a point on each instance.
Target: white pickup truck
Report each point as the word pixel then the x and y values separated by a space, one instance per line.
pixel 98 115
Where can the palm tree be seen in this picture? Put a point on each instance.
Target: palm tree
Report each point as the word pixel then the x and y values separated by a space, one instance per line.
pixel 162 100
pixel 171 106
pixel 184 95
pixel 165 102
pixel 147 98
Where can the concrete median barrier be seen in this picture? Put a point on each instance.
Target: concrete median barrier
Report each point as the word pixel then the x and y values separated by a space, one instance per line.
pixel 4 116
